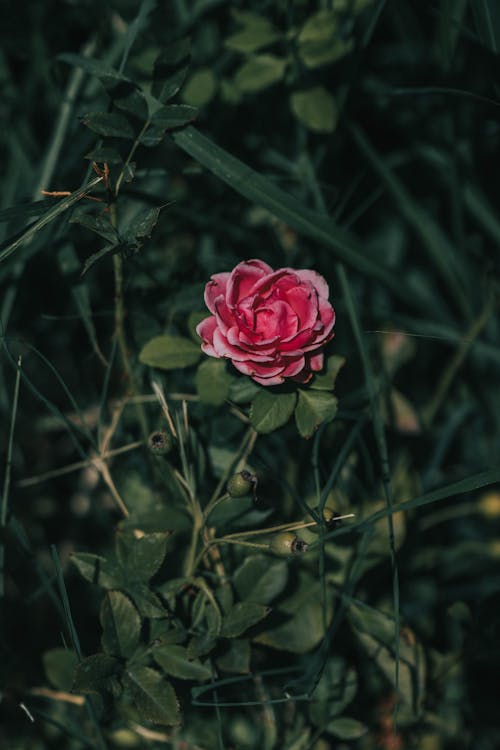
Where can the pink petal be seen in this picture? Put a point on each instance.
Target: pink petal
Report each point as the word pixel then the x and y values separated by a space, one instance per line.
pixel 294 367
pixel 304 301
pixel 275 319
pixel 235 353
pixel 243 278
pixel 316 280
pixel 205 331
pixel 316 361
pixel 215 288
pixel 255 369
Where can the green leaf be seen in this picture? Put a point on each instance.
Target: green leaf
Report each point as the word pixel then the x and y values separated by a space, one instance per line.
pixel 174 116
pixel 259 72
pixel 315 108
pixel 98 570
pixel 320 42
pixel 235 656
pixel 174 661
pixel 243 390
pixel 153 696
pixel 200 88
pixel 141 556
pixel 487 19
pixel 99 255
pixel 109 124
pixel 121 625
pixel 170 70
pixel 260 580
pixel 292 212
pixel 142 225
pixel 104 153
pixel 257 32
pixel 325 381
pixel 314 408
pixel 146 601
pixel 241 617
pixel 170 352
pixel 134 103
pixel 59 665
pixel 96 674
pixel 271 410
pixel 346 729
pixel 213 381
pixel 100 225
pixel 335 690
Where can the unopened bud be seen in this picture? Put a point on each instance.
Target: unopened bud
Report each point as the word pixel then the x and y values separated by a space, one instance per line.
pixel 241 484
pixel 287 543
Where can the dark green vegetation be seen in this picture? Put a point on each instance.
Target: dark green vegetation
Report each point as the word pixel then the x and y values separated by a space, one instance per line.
pixel 141 605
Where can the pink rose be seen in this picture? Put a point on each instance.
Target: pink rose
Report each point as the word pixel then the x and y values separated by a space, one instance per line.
pixel 272 325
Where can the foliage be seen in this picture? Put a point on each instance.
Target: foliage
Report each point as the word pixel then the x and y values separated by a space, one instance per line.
pixel 302 566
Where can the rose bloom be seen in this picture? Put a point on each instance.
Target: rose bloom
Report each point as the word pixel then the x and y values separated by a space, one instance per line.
pixel 272 325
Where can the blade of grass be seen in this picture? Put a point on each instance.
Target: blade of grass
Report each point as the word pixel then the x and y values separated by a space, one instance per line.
pixel 12 244
pixel 8 466
pixel 434 241
pixel 262 191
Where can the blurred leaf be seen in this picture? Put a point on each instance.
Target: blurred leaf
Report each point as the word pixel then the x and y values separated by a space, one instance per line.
pixel 320 41
pixel 241 617
pixel 174 660
pixel 109 124
pixel 104 154
pixel 121 624
pixel 212 382
pixel 170 352
pixel 146 601
pixel 269 411
pixel 314 408
pixel 153 696
pixel 335 690
pixel 315 108
pixel 200 88
pixel 243 390
pixel 259 72
pixel 141 555
pixel 23 210
pixel 346 729
pixel 142 225
pixel 134 103
pixel 257 32
pixel 487 19
pixel 259 579
pixel 174 116
pixel 325 381
pixel 235 656
pixel 59 665
pixel 96 674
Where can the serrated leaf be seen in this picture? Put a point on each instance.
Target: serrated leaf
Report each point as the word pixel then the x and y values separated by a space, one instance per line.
pixel 314 408
pixel 259 72
pixel 260 580
pixel 326 381
pixel 346 728
pixel 212 382
pixel 142 225
pixel 96 673
pixel 243 390
pixel 98 570
pixel 141 555
pixel 174 660
pixel 241 617
pixel 121 625
pixel 200 88
pixel 59 665
pixel 109 124
pixel 134 103
pixel 153 696
pixel 170 70
pixel 315 108
pixel 269 411
pixel 100 225
pixel 170 352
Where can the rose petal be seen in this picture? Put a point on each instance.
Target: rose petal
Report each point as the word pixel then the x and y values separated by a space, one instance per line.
pixel 215 288
pixel 243 278
pixel 205 330
pixel 235 353
pixel 316 280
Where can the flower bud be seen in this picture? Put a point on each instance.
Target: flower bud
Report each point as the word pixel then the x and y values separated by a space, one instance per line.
pixel 241 484
pixel 330 517
pixel 286 544
pixel 160 443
